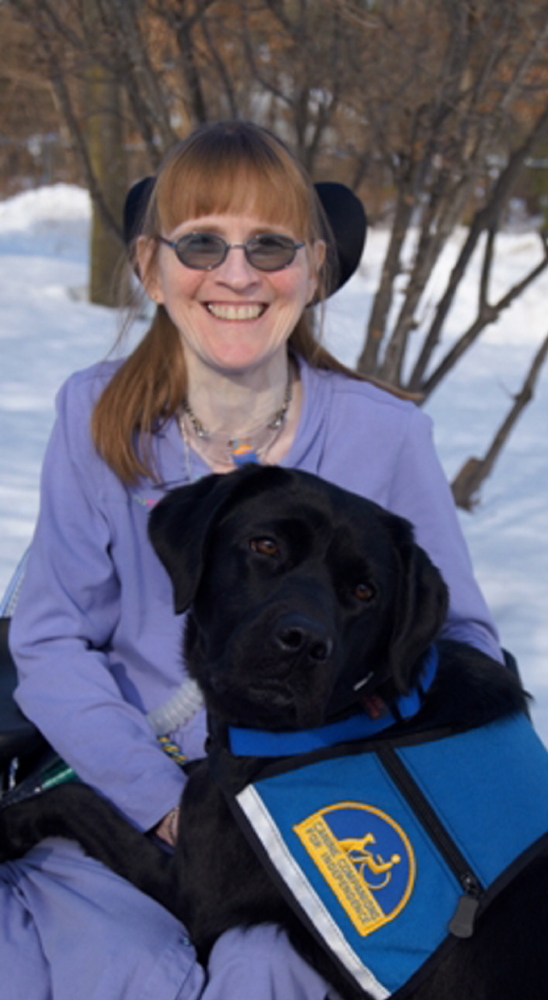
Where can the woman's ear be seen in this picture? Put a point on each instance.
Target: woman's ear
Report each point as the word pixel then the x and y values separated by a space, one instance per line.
pixel 145 258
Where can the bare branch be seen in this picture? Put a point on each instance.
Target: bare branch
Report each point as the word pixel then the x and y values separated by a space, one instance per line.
pixel 367 361
pixel 143 82
pixel 222 70
pixel 59 83
pixel 487 314
pixel 475 471
pixel 483 219
pixel 486 269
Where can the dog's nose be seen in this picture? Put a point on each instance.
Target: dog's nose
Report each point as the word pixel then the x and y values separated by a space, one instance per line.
pixel 297 634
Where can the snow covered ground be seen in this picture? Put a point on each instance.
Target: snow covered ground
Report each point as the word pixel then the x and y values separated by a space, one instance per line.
pixel 48 330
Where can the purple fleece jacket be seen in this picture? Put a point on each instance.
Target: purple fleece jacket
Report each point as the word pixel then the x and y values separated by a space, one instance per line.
pixel 94 636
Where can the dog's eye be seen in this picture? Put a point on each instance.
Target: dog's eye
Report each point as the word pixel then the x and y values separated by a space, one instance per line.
pixel 265 546
pixel 364 592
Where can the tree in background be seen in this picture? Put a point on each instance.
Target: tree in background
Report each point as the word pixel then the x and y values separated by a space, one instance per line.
pixel 34 141
pixel 104 135
pixel 469 109
pixel 430 109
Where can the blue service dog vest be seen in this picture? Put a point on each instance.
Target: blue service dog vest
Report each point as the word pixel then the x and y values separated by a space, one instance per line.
pixel 388 849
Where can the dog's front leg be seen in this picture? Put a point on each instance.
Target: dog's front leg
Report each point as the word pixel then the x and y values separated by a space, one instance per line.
pixel 223 884
pixel 77 812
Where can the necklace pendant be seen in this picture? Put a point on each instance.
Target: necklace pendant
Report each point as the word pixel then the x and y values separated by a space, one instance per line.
pixel 242 454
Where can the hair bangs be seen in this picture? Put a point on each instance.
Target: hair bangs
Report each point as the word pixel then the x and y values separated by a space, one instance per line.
pixel 241 171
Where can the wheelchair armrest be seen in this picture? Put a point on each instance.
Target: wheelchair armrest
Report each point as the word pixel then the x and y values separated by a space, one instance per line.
pixel 18 736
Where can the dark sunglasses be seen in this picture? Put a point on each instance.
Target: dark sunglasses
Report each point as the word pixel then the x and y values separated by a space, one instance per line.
pixel 205 251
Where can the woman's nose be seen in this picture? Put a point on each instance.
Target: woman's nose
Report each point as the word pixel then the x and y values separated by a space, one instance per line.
pixel 236 270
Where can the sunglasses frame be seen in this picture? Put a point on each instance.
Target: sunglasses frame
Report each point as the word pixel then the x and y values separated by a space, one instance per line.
pixel 175 244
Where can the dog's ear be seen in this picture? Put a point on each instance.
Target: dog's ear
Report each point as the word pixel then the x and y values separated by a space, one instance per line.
pixel 179 528
pixel 181 524
pixel 421 605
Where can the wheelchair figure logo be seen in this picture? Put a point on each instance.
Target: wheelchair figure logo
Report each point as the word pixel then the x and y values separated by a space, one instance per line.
pixel 366 859
pixel 375 871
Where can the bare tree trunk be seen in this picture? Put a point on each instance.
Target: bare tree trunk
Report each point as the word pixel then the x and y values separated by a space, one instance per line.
pixel 105 141
pixel 369 357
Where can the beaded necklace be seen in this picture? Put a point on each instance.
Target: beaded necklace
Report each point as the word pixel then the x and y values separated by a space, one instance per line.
pixel 215 448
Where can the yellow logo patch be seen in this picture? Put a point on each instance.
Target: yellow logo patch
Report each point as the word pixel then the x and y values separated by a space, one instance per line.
pixel 366 859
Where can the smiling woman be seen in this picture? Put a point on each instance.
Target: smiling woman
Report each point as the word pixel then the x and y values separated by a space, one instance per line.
pixel 232 246
pixel 232 249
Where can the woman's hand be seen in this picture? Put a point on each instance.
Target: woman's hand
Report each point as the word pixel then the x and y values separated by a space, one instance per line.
pixel 168 828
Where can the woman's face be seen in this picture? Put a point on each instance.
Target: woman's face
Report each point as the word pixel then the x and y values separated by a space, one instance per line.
pixel 234 317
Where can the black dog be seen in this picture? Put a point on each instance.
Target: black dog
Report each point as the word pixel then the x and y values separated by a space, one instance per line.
pixel 306 601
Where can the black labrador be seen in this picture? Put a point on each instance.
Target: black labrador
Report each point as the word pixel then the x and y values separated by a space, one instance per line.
pixel 305 602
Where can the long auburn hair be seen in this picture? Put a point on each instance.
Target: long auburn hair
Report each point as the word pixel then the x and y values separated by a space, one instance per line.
pixel 225 167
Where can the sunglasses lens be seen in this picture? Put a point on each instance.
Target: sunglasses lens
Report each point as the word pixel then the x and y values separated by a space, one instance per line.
pixel 270 252
pixel 201 251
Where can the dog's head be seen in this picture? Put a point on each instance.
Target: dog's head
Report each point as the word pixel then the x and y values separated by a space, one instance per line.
pixel 300 594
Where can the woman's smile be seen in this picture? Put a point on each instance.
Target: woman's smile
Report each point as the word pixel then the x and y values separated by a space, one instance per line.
pixel 232 311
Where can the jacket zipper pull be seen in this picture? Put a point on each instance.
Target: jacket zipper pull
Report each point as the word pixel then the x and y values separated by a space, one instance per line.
pixel 462 922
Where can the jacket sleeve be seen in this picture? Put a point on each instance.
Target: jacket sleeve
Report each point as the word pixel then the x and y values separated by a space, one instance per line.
pixel 67 612
pixel 420 492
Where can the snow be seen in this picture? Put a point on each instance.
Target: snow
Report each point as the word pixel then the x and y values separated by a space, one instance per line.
pixel 48 330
